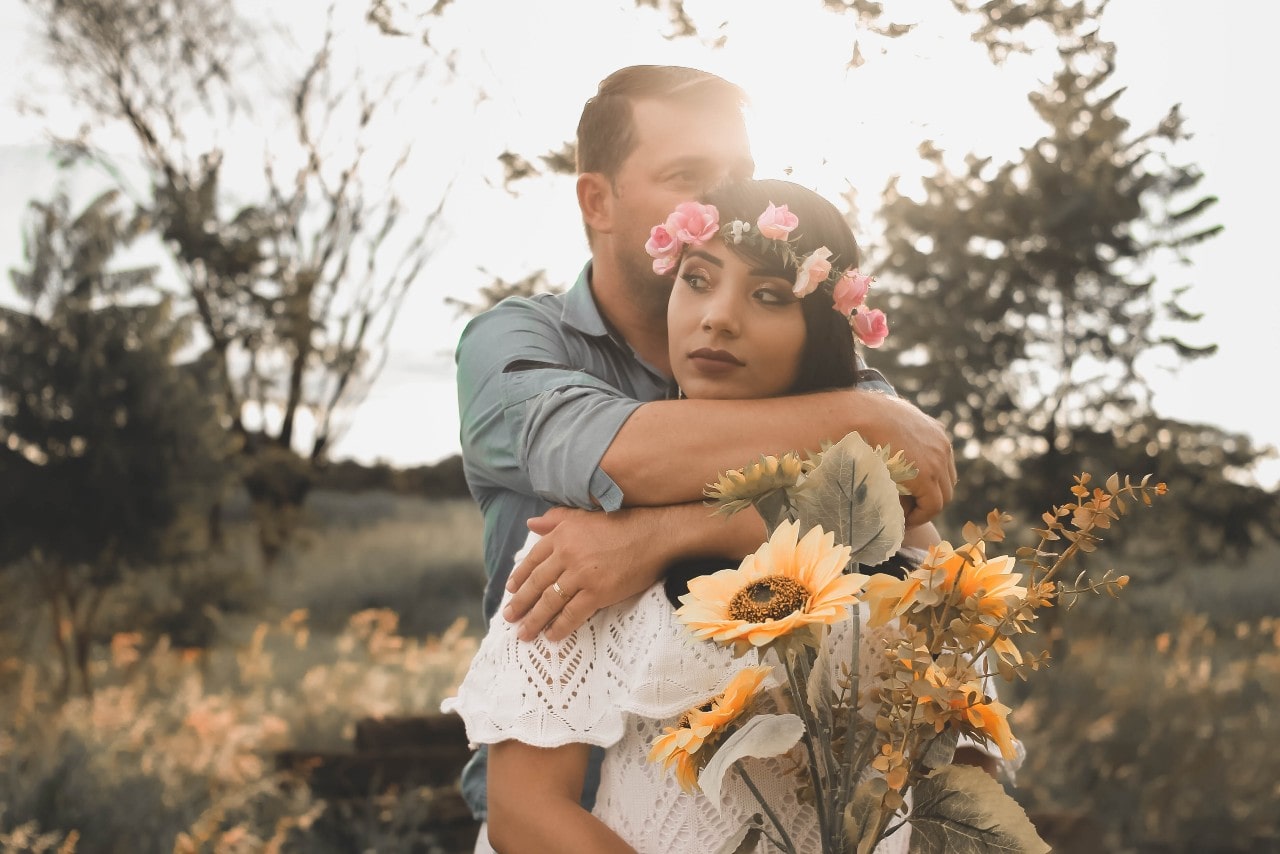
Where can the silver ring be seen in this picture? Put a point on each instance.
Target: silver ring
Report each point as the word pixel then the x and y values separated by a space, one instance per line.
pixel 555 585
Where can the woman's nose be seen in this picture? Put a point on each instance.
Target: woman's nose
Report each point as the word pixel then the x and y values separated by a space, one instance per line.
pixel 721 315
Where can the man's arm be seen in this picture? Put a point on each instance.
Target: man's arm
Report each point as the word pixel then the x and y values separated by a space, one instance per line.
pixel 532 421
pixel 667 451
pixel 599 559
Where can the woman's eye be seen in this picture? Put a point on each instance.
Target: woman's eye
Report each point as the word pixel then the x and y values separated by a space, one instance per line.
pixel 696 279
pixel 775 296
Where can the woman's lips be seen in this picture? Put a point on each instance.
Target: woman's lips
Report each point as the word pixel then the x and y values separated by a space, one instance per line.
pixel 714 361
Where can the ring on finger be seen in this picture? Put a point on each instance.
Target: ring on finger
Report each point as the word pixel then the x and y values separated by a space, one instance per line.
pixel 555 585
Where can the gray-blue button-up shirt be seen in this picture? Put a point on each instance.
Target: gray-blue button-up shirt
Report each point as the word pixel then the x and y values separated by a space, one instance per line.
pixel 544 385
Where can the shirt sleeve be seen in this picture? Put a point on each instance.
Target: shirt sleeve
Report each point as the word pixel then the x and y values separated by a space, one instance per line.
pixel 871 379
pixel 531 419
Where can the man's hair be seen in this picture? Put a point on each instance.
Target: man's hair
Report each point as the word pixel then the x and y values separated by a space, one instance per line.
pixel 829 359
pixel 606 131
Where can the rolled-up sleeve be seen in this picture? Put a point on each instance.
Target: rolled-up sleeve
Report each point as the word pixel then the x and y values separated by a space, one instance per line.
pixel 563 422
pixel 529 422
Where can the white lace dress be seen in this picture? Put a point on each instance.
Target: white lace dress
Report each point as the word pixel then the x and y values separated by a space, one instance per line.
pixel 627 673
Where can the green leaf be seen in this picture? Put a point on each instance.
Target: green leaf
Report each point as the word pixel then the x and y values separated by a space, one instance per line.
pixel 851 494
pixel 762 736
pixel 960 809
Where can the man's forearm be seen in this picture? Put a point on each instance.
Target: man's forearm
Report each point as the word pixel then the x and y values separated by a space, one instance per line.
pixel 695 532
pixel 667 451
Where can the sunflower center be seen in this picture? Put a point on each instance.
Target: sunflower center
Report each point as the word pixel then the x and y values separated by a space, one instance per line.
pixel 687 716
pixel 768 598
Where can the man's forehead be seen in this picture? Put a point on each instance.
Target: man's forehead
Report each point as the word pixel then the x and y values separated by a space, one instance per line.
pixel 676 130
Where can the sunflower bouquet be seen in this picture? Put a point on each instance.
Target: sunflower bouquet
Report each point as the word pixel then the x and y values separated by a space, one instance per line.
pixel 874 740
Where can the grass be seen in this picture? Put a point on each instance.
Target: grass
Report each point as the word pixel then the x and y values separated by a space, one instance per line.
pixel 1155 732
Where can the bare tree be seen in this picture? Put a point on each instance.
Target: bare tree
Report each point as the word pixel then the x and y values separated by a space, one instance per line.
pixel 296 292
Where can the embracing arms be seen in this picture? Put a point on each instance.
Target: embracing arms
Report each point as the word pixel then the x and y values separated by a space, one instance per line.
pixel 548 410
pixel 668 450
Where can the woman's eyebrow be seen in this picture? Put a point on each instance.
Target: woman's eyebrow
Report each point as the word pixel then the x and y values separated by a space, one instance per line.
pixel 698 253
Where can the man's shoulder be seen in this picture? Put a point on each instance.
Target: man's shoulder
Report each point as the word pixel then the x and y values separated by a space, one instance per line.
pixel 517 314
pixel 548 304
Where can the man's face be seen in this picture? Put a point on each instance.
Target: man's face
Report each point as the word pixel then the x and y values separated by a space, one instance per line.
pixel 681 151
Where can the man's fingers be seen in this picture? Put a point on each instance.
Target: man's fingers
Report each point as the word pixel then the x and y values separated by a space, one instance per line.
pixel 567 621
pixel 546 523
pixel 531 592
pixel 550 605
pixel 524 570
pixel 926 505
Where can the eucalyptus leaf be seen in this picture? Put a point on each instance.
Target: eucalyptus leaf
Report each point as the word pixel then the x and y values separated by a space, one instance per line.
pixel 852 495
pixel 761 736
pixel 960 809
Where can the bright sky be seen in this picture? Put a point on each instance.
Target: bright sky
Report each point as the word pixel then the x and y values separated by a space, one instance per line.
pixel 830 127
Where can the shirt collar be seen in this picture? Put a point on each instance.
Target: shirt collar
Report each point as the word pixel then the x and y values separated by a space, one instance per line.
pixel 581 312
pixel 580 309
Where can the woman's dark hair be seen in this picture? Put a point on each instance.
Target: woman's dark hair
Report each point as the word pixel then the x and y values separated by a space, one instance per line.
pixel 828 360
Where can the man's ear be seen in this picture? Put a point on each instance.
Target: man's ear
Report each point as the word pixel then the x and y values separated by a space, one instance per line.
pixel 595 199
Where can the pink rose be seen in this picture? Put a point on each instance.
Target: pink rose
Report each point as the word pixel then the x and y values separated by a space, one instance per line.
pixel 851 291
pixel 777 223
pixel 871 327
pixel 694 223
pixel 813 270
pixel 664 248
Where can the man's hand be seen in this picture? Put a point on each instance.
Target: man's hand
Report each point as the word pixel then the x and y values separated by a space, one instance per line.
pixel 902 427
pixel 585 561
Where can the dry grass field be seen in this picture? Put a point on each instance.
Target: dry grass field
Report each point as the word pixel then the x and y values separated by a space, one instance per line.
pixel 1156 732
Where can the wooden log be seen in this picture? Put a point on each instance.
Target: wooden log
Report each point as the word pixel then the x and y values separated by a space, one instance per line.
pixel 398 733
pixel 336 774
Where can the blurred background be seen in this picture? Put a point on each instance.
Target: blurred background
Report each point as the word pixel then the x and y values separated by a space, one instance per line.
pixel 240 565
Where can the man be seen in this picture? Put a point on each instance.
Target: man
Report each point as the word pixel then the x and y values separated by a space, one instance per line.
pixel 564 398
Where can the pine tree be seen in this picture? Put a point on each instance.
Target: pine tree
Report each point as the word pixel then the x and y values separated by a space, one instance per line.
pixel 1027 311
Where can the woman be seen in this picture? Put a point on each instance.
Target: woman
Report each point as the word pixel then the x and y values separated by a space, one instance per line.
pixel 753 313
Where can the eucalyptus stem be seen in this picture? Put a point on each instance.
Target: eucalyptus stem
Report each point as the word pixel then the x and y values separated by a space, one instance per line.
pixel 764 805
pixel 824 727
pixel 851 707
pixel 815 772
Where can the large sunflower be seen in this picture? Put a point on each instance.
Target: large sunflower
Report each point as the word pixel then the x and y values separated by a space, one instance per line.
pixel 681 745
pixel 784 586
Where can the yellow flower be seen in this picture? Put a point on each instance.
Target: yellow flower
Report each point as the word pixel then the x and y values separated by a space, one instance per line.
pixel 962 575
pixel 785 585
pixel 681 745
pixel 992 720
pixel 900 468
pixel 965 704
pixel 735 490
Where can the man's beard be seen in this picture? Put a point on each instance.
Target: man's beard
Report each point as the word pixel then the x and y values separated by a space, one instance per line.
pixel 648 290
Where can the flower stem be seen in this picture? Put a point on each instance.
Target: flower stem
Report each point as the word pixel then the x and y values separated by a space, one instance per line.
pixel 851 707
pixel 764 805
pixel 789 654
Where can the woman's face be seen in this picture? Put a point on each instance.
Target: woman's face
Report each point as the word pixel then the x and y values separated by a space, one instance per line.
pixel 734 333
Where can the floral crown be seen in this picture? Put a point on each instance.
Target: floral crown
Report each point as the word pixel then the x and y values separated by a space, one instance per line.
pixel 693 224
